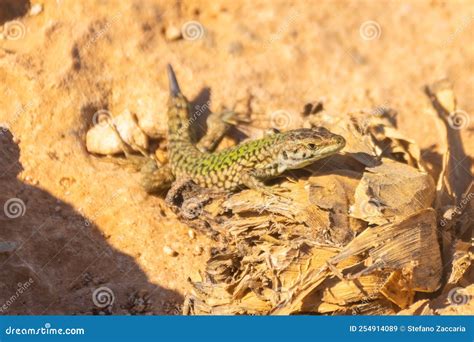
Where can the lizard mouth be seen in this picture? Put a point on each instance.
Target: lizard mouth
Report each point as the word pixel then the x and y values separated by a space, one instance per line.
pixel 334 145
pixel 338 143
pixel 314 153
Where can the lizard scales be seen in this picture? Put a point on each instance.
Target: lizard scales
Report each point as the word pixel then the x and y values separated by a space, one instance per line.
pixel 247 164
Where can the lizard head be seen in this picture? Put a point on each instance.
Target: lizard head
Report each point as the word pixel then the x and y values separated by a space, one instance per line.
pixel 301 147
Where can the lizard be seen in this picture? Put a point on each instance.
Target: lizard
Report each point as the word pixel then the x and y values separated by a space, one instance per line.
pixel 248 164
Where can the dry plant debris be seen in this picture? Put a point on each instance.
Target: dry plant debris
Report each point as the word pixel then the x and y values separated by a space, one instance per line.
pixel 63 61
pixel 356 233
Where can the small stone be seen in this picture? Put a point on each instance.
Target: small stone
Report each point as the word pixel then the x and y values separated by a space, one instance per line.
pixel 57 208
pixel 36 9
pixel 172 33
pixel 103 139
pixel 170 251
pixel 31 180
pixel 191 234
pixel 197 250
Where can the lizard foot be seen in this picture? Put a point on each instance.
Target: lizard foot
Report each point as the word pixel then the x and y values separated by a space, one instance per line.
pixel 156 180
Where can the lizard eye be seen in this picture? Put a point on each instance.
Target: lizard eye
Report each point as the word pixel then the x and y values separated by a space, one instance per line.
pixel 285 155
pixel 312 146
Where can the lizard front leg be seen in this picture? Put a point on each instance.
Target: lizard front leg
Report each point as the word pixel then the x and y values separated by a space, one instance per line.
pixel 252 181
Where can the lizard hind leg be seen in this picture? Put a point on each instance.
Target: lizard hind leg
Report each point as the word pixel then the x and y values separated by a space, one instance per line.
pixel 154 179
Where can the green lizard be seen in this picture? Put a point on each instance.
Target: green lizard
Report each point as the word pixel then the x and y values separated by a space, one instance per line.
pixel 248 164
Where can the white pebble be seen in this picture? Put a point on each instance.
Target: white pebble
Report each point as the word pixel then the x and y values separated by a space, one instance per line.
pixel 36 9
pixel 172 33
pixel 103 139
pixel 170 251
pixel 197 250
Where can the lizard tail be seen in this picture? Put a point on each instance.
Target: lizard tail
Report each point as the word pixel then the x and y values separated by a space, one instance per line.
pixel 180 141
pixel 174 86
